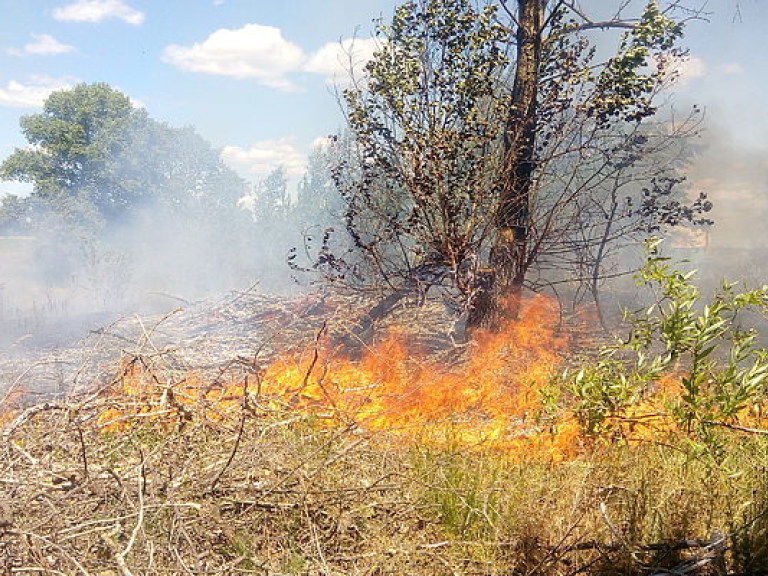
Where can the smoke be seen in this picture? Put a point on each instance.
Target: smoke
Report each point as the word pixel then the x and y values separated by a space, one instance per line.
pixel 74 273
pixel 734 174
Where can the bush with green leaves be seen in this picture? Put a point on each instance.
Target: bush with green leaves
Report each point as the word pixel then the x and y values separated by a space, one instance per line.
pixel 707 344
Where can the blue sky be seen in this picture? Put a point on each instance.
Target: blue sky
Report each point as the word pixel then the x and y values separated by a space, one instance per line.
pixel 254 76
pixel 250 75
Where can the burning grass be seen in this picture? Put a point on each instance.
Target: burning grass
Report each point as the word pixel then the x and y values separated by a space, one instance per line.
pixel 388 464
pixel 492 400
pixel 249 485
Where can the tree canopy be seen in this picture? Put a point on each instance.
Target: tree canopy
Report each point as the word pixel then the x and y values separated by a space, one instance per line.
pixel 91 146
pixel 494 141
pixel 123 202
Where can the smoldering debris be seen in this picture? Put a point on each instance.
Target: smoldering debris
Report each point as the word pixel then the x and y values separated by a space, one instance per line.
pixel 219 339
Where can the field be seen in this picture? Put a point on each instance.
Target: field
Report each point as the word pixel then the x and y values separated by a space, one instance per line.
pixel 298 456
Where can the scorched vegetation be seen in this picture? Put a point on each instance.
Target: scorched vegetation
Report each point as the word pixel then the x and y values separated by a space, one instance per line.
pixel 647 460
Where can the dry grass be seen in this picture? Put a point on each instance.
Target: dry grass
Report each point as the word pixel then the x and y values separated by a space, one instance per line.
pixel 157 470
pixel 178 482
pixel 265 493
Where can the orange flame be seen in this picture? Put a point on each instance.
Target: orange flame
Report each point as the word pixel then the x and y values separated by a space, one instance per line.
pixel 11 404
pixel 491 400
pixel 171 403
pixel 652 419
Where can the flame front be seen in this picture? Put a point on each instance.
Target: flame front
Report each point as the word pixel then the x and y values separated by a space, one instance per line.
pixel 492 399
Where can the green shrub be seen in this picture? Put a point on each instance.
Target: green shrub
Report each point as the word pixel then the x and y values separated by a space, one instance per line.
pixel 722 369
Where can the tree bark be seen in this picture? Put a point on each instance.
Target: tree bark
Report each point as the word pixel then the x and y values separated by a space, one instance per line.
pixel 509 259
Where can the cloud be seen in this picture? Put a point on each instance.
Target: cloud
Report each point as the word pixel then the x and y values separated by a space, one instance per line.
pixel 686 68
pixel 44 45
pixel 262 53
pixel 253 51
pixel 97 11
pixel 21 189
pixel 335 60
pixel 33 94
pixel 260 159
pixel 322 142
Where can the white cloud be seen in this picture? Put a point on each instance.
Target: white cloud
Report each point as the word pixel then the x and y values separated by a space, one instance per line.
pixel 253 51
pixel 33 94
pixel 262 53
pixel 248 202
pixel 43 45
pixel 97 11
pixel 21 189
pixel 686 68
pixel 260 159
pixel 322 142
pixel 335 60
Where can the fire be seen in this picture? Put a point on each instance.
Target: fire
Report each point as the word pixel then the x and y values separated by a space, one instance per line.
pixel 653 419
pixel 141 396
pixel 650 419
pixel 491 400
pixel 494 398
pixel 10 405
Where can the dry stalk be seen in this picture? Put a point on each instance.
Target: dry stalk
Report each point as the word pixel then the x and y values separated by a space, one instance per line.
pixel 52 544
pixel 27 415
pixel 14 386
pixel 238 437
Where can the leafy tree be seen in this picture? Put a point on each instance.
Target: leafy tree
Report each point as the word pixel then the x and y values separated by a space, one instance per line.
pixel 318 203
pixel 273 202
pixel 177 169
pixel 71 143
pixel 318 214
pixel 112 186
pixel 492 141
pixel 91 146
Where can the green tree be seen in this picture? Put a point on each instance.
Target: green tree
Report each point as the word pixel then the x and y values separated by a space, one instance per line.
pixel 272 200
pixel 318 203
pixel 318 214
pixel 92 149
pixel 117 193
pixel 71 142
pixel 492 140
pixel 174 168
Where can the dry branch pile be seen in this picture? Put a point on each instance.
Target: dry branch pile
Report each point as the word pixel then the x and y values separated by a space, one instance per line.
pixel 244 484
pixel 263 494
pixel 248 486
pixel 215 337
pixel 92 485
pixel 162 455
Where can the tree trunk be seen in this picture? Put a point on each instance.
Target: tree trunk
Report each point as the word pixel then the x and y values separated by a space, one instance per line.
pixel 509 259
